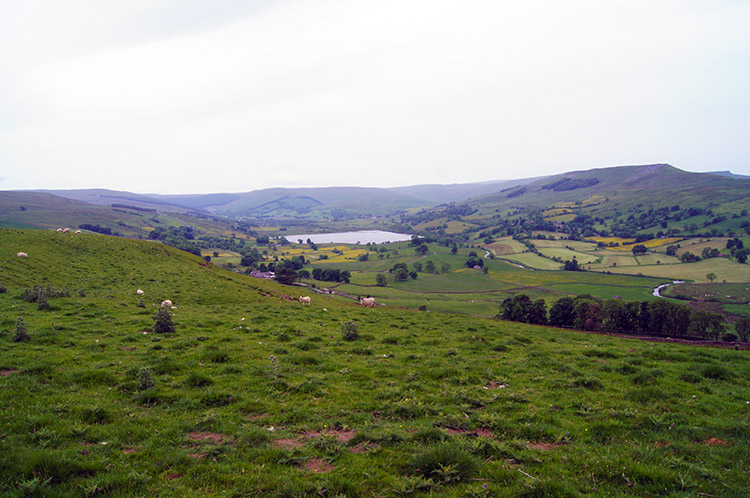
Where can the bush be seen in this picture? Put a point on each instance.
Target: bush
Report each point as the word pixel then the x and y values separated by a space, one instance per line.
pixel 163 319
pixel 349 331
pixel 730 337
pixel 21 334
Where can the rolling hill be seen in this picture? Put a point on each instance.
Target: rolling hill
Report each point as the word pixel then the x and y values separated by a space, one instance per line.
pixel 254 394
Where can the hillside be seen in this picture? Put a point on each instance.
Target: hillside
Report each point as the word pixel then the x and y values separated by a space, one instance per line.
pixel 255 395
pixel 625 186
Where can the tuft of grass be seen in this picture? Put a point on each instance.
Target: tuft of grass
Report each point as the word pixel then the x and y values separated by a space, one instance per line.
pixel 443 463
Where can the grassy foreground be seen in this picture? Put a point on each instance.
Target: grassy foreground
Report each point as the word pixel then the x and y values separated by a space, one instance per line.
pixel 256 395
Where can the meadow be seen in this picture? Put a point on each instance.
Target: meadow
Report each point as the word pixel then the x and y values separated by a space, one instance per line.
pixel 256 395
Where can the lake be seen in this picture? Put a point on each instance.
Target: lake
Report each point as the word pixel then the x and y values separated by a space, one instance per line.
pixel 361 237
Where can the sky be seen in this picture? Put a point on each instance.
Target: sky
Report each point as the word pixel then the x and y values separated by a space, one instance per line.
pixel 189 96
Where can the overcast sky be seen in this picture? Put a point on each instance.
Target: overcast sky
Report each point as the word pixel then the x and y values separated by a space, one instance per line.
pixel 192 96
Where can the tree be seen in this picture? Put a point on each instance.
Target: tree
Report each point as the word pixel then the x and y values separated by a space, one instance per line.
pixel 671 250
pixel 538 312
pixel 445 267
pixel 706 324
pixel 417 267
pixel 454 249
pixel 587 315
pixel 743 328
pixel 562 313
pixel 711 276
pixel 422 249
pixel 571 265
pixel 285 276
pixel 429 267
pixel 639 249
pixel 381 280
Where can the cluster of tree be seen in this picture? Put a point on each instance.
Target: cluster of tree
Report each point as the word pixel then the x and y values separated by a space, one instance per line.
pixel 95 228
pixel 400 273
pixel 737 250
pixel 657 318
pixel 568 183
pixel 517 192
pixel 474 260
pixel 331 275
pixel 134 208
pixel 180 237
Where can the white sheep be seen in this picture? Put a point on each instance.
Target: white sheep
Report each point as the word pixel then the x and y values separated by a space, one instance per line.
pixel 22 254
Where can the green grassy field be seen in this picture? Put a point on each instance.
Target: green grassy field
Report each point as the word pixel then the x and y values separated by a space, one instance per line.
pixel 256 395
pixel 723 268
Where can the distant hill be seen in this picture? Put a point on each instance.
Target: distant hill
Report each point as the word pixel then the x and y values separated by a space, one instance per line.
pixel 622 187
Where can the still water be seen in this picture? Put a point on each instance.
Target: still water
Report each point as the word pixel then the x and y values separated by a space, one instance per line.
pixel 361 237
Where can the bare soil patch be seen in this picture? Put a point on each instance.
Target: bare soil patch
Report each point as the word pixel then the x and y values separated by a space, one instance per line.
pixel 129 451
pixel 7 371
pixel 480 432
pixel 715 441
pixel 174 476
pixel 289 443
pixel 212 437
pixel 318 465
pixel 543 446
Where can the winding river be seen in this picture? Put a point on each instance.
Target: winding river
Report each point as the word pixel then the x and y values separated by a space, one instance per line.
pixel 657 290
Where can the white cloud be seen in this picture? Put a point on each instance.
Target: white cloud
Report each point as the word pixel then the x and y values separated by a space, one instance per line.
pixel 343 92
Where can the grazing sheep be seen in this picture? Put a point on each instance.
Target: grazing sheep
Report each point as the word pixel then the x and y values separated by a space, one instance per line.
pixel 166 303
pixel 78 232
pixel 367 302
pixel 66 230
pixel 305 300
pixel 22 254
pixel 59 230
pixel 139 291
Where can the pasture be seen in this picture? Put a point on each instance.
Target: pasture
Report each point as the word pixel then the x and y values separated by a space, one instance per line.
pixel 256 395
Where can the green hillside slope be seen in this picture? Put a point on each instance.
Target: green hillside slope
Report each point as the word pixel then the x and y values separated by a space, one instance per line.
pixel 255 395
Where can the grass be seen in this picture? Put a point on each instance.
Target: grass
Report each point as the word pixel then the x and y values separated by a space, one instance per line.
pixel 723 268
pixel 254 395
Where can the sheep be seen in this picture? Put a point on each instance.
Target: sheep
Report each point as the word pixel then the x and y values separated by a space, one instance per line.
pixel 22 254
pixel 139 291
pixel 367 302
pixel 304 300
pixel 166 303
pixel 78 232
pixel 59 230
pixel 66 230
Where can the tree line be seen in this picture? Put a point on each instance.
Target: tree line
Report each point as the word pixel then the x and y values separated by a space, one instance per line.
pixel 655 318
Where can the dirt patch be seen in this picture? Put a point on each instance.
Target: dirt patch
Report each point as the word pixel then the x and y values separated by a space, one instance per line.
pixel 480 432
pixel 287 298
pixel 343 435
pixel 289 443
pixel 128 349
pixel 662 444
pixel 256 416
pixel 542 446
pixel 318 465
pixel 212 437
pixel 129 451
pixel 4 372
pixel 715 441
pixel 197 455
pixel 364 447
pixel 174 476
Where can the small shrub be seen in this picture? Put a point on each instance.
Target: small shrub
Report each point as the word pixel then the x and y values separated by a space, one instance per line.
pixel 42 304
pixel 3 289
pixel 21 334
pixel 163 322
pixel 349 331
pixel 145 379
